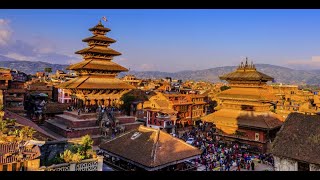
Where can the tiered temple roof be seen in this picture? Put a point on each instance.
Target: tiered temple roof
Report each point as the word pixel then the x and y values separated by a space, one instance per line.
pixel 252 94
pixel 239 118
pixel 247 103
pixel 246 72
pixel 97 71
pixel 96 82
pixel 98 65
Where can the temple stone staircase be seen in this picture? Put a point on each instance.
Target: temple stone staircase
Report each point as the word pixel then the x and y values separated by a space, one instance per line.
pixel 71 125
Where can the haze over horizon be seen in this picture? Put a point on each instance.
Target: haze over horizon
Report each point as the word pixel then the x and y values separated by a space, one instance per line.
pixel 167 40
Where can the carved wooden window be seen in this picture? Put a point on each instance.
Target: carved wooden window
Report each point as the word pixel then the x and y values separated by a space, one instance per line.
pixel 256 137
pixel 5 167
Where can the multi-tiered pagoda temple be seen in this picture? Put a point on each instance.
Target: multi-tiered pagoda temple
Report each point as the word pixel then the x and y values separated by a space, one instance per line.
pixel 97 82
pixel 245 113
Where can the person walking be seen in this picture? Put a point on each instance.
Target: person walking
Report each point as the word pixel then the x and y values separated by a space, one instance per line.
pixel 238 166
pixel 252 165
pixel 248 166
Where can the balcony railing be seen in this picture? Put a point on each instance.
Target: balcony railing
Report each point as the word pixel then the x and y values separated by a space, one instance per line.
pixel 94 164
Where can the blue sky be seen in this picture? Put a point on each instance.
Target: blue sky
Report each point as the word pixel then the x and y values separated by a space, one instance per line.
pixel 168 40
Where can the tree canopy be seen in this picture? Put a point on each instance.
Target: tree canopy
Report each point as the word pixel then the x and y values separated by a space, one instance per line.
pixel 127 101
pixel 48 69
pixel 223 88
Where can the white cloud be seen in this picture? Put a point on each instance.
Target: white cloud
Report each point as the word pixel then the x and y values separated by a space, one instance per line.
pixel 44 50
pixel 43 45
pixel 4 22
pixel 19 57
pixel 5 32
pixel 36 49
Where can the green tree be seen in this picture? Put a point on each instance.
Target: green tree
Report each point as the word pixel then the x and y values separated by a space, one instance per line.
pixel 78 152
pixel 85 145
pixel 3 125
pixel 15 132
pixel 127 101
pixel 26 133
pixel 223 88
pixel 67 156
pixel 10 122
pixel 48 70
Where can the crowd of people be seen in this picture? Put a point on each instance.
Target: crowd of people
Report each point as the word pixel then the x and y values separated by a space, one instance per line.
pixel 221 156
pixel 93 109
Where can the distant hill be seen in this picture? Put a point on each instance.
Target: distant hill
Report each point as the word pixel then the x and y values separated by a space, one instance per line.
pixel 281 74
pixel 4 58
pixel 31 67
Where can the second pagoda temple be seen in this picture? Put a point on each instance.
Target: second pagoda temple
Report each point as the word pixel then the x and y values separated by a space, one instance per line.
pixel 96 83
pixel 245 112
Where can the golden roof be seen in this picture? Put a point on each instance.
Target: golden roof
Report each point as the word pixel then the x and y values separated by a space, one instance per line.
pixel 4 69
pixel 5 74
pixel 264 120
pixel 95 82
pixel 246 72
pixel 100 50
pixel 99 27
pixel 197 95
pixel 97 65
pixel 162 103
pixel 9 77
pixel 162 110
pixel 316 99
pixel 247 94
pixel 99 79
pixel 99 38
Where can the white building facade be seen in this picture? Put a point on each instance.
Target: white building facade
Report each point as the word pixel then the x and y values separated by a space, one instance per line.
pixel 286 164
pixel 64 96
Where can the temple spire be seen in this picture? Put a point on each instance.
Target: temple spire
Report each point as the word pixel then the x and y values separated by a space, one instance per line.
pixel 246 65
